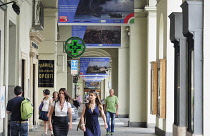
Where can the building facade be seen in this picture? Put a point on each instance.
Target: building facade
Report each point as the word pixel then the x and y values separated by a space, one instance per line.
pixel 162 32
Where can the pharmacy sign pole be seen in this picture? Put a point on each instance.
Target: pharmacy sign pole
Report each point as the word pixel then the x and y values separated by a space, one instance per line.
pixel 74 47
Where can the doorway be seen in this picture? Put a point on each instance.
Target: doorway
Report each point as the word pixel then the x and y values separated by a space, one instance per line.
pixel 33 91
pixel 23 77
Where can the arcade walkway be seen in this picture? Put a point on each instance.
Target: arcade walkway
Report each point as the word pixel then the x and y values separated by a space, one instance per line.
pixel 121 129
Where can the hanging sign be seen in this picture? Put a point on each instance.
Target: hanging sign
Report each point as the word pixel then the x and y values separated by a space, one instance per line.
pixel 74 47
pixel 74 67
pixel 46 73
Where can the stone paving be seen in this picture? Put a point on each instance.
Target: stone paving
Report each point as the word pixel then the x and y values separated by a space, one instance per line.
pixel 121 129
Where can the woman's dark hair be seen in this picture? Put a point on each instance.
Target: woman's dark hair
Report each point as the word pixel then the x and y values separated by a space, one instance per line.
pixel 18 90
pixel 98 101
pixel 67 97
pixel 46 92
pixel 54 94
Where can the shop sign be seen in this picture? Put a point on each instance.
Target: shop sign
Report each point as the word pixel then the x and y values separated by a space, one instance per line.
pixel 46 73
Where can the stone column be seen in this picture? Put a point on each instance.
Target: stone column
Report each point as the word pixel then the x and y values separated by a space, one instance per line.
pixel 138 70
pixel 151 55
pixel 123 81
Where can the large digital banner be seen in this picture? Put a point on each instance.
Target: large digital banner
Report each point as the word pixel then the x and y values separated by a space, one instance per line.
pixel 98 36
pixel 93 78
pixel 92 86
pixel 96 11
pixel 94 66
pixel 46 73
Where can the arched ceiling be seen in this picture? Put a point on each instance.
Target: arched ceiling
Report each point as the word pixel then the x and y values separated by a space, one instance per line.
pixel 96 53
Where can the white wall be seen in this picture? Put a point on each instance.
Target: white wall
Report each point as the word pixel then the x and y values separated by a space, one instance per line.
pixel 17 40
pixel 64 32
pixel 206 70
pixel 2 55
pixel 165 50
pixel 48 48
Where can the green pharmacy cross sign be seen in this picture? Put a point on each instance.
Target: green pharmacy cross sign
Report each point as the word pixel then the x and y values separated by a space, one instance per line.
pixel 74 47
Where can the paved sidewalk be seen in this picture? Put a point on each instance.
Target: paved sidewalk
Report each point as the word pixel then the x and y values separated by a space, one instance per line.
pixel 121 129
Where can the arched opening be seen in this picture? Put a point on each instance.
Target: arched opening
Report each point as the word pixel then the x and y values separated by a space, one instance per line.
pixel 161 36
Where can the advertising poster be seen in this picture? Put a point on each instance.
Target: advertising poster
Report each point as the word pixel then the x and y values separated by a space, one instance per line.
pixel 98 36
pixel 46 73
pixel 96 11
pixel 94 66
pixel 2 102
pixel 92 86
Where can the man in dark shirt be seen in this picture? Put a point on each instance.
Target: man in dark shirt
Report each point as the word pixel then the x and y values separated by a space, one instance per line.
pixel 17 125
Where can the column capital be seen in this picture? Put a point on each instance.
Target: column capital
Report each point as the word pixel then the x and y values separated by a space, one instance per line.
pixel 50 12
pixel 140 13
pixel 152 11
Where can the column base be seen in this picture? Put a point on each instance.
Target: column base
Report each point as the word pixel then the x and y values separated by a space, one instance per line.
pixel 123 116
pixel 160 132
pixel 151 125
pixel 137 124
pixel 191 134
pixel 179 131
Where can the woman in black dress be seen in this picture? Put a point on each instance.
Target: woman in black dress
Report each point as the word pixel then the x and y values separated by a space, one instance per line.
pixel 91 113
pixel 61 109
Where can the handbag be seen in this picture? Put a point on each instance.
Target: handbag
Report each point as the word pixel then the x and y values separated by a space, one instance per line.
pixel 79 126
pixel 40 106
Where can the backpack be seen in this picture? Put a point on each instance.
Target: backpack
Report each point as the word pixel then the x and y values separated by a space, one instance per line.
pixel 26 109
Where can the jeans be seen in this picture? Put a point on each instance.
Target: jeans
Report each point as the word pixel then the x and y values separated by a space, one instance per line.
pixel 112 116
pixel 18 129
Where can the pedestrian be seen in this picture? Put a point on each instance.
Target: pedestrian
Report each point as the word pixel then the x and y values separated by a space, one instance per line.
pixel 111 108
pixel 60 124
pixel 18 127
pixel 76 102
pixel 55 96
pixel 90 113
pixel 47 101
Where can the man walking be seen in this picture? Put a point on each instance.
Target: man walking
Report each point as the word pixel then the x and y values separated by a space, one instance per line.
pixel 18 127
pixel 111 108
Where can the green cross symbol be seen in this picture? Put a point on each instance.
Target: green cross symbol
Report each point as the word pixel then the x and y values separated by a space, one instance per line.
pixel 74 47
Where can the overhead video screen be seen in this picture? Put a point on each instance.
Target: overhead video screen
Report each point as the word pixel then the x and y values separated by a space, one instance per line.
pixel 94 66
pixel 96 11
pixel 98 36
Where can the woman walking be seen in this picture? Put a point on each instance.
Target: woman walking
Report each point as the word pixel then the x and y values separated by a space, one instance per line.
pixel 61 108
pixel 47 101
pixel 90 113
pixel 55 96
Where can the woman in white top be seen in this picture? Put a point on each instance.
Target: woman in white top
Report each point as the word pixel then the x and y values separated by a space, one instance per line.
pixel 61 109
pixel 47 101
